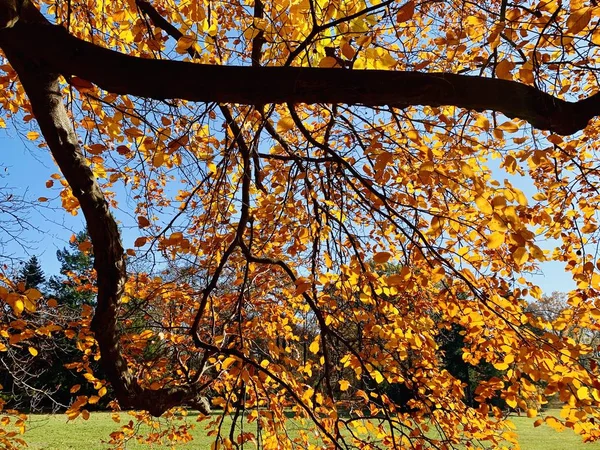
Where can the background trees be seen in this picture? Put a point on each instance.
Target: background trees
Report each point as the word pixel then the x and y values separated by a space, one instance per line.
pixel 40 361
pixel 242 151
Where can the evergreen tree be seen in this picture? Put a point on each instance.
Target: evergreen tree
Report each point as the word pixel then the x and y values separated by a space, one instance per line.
pixel 75 286
pixel 32 274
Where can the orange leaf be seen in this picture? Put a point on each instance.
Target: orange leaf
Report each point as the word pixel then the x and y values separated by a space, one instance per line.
pixel 143 222
pixel 504 68
pixel 578 20
pixel 80 84
pixel 406 12
pixel 382 257
pixel 520 255
pixel 329 62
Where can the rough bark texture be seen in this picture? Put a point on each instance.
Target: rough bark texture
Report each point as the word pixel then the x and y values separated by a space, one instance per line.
pixel 52 47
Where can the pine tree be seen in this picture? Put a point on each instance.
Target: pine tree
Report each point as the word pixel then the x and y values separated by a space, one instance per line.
pixel 75 285
pixel 32 274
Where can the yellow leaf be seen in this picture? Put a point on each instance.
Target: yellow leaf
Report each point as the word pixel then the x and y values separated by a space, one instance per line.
pixel 33 135
pixel 578 20
pixel 511 400
pixel 406 12
pixel 483 122
pixel 555 423
pixel 520 255
pixel 344 385
pixel 285 124
pixel 314 347
pixel 382 257
pixel 18 306
pixel 378 377
pixel 33 351
pixel 520 197
pixel 500 366
pixel 495 240
pixel 583 393
pixel 228 362
pixel 509 127
pixel 29 305
pixel 484 205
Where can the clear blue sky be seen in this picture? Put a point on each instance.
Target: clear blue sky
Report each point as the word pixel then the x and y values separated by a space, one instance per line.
pixel 29 167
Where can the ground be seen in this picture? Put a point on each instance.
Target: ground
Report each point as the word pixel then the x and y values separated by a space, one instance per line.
pixel 53 432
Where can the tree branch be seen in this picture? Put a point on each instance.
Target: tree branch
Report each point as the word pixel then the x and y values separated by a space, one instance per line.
pixel 52 47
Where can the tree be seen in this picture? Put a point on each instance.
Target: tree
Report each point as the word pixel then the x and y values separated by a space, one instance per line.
pixel 40 376
pixel 251 147
pixel 31 274
pixel 75 287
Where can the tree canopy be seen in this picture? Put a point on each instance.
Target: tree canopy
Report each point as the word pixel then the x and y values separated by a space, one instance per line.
pixel 322 191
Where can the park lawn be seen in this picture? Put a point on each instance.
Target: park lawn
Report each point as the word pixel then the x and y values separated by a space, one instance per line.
pixel 53 432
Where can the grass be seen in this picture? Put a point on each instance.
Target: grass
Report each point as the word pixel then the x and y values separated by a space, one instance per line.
pixel 53 432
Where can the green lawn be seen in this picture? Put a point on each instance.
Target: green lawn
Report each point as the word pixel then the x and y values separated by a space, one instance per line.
pixel 53 432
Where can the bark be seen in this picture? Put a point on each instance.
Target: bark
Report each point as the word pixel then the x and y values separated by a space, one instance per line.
pixel 52 47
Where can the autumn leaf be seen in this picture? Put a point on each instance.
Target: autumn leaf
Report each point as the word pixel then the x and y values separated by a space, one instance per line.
pixel 382 257
pixel 406 12
pixel 143 222
pixel 520 255
pixel 504 69
pixel 80 84
pixel 140 242
pixel 344 385
pixel 328 62
pixel 484 205
pixel 285 124
pixel 495 240
pixel 578 20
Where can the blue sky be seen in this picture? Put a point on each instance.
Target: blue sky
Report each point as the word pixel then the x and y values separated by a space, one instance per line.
pixel 28 167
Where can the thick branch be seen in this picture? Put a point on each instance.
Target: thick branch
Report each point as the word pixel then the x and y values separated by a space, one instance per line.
pixel 51 46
